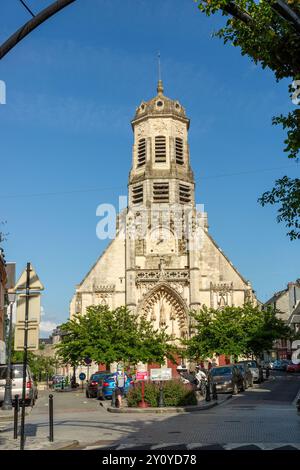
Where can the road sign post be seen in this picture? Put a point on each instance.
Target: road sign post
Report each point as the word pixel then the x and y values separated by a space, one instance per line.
pixel 22 441
pixel 28 318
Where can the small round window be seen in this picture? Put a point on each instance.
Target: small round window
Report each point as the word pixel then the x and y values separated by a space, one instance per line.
pixel 159 103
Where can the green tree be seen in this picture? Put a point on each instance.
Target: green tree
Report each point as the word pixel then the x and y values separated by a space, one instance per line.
pixel 235 331
pixel 108 336
pixel 269 33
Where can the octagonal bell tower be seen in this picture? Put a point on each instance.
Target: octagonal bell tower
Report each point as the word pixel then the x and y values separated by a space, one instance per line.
pixel 160 172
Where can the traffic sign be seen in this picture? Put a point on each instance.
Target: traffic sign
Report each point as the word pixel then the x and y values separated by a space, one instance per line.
pixel 82 376
pixel 32 339
pixel 34 309
pixel 34 283
pixel 88 361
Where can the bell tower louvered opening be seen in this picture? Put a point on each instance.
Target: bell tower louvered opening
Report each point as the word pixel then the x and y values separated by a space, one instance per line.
pixel 137 194
pixel 160 192
pixel 179 151
pixel 160 149
pixel 141 158
pixel 184 194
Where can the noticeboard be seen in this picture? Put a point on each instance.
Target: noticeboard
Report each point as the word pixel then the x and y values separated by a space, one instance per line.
pixel 164 373
pixel 141 375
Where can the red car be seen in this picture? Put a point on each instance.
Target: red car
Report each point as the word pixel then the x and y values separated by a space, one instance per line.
pixel 293 368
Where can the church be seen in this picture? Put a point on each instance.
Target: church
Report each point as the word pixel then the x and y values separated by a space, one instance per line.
pixel 162 263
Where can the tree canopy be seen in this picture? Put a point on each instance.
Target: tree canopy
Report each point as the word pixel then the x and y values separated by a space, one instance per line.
pixel 108 336
pixel 235 331
pixel 268 32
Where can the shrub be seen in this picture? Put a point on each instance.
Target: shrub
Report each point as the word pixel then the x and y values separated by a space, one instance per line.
pixel 175 394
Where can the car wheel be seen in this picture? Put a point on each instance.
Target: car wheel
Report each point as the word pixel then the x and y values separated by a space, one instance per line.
pixel 244 386
pixel 251 383
pixel 87 394
pixel 235 390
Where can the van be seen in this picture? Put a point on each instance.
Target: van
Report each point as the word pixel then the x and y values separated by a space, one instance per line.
pixel 31 392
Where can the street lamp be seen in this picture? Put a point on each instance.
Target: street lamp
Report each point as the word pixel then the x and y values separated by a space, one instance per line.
pixel 7 403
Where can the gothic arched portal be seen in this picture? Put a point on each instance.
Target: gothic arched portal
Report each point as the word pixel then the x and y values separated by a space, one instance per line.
pixel 165 307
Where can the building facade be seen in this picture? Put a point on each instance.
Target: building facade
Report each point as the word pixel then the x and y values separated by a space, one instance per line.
pixel 287 303
pixel 163 262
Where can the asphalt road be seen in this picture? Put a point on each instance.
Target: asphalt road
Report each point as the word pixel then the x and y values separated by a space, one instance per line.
pixel 260 418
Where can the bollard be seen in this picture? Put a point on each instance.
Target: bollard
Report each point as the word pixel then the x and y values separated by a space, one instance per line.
pixel 214 394
pixel 113 399
pixel 207 395
pixel 16 411
pixel 51 418
pixel 62 384
pixel 161 402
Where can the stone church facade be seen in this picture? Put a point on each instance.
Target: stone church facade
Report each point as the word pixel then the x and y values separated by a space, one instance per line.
pixel 163 262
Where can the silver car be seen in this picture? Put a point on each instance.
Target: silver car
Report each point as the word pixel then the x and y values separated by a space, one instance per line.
pixel 254 369
pixel 31 392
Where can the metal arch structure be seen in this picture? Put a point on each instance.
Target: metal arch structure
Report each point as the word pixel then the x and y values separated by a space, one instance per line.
pixel 33 23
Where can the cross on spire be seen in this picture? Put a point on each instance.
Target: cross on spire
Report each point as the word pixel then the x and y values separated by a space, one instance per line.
pixel 160 88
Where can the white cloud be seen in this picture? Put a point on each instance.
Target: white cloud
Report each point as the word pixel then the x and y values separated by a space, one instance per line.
pixel 47 326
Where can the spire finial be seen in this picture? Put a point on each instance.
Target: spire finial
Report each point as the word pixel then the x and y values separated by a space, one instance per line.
pixel 160 88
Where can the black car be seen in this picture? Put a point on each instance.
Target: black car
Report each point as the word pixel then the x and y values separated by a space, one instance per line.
pixel 228 379
pixel 92 384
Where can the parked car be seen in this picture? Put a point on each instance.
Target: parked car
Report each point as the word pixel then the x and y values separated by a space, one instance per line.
pixel 56 380
pixel 228 379
pixel 107 385
pixel 31 391
pixel 293 367
pixel 255 370
pixel 247 375
pixel 92 384
pixel 281 364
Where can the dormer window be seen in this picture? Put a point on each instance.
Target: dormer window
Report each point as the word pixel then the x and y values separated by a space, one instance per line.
pixel 141 157
pixel 179 151
pixel 160 149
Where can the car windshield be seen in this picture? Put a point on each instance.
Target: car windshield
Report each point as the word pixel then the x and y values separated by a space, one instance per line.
pixel 17 372
pixel 221 371
pixel 252 364
pixel 98 376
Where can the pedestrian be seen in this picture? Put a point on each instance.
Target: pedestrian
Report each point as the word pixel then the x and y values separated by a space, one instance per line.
pixel 120 381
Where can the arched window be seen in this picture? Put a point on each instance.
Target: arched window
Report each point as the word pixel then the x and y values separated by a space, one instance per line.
pixel 160 149
pixel 141 157
pixel 179 151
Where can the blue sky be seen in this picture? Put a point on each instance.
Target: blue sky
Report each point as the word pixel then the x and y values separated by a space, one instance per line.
pixel 65 135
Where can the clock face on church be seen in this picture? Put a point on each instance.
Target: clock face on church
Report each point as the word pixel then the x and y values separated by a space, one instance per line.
pixel 161 241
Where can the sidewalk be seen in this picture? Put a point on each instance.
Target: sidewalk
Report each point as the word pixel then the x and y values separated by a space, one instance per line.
pixel 204 405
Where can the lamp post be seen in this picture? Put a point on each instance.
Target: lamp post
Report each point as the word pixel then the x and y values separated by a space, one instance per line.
pixel 7 403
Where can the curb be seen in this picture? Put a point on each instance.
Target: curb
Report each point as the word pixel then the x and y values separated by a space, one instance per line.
pixel 182 409
pixel 65 446
pixel 296 398
pixel 11 418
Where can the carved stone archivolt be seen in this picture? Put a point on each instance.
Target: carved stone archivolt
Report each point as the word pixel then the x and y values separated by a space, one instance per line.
pixel 165 296
pixel 221 295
